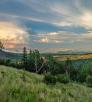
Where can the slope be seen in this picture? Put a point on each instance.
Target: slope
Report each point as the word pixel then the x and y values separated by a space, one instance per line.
pixel 14 89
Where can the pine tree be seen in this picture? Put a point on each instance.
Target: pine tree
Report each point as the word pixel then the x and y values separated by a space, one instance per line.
pixel 24 60
pixel 31 61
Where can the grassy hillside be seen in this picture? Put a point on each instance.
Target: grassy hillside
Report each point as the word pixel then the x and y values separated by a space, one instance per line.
pixel 4 54
pixel 14 89
pixel 73 57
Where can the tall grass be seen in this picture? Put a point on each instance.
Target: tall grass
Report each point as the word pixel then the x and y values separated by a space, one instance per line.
pixel 14 89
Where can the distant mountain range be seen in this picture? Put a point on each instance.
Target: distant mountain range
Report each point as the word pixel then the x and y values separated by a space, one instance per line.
pixel 5 54
pixel 70 52
pixel 74 52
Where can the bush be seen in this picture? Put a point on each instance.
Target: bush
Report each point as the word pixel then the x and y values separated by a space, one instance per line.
pixel 58 69
pixel 7 62
pixel 2 62
pixel 89 81
pixel 63 78
pixel 83 73
pixel 82 77
pixel 49 79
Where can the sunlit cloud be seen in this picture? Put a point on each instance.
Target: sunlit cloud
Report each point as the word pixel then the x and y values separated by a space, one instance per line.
pixel 12 35
pixel 63 37
pixel 43 40
pixel 65 24
pixel 86 20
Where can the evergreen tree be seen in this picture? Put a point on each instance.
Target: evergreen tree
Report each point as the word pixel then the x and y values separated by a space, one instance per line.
pixel 70 70
pixel 24 63
pixel 24 60
pixel 31 61
pixel 67 67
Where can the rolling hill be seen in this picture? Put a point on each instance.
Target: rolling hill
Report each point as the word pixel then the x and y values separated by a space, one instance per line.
pixel 5 54
pixel 14 89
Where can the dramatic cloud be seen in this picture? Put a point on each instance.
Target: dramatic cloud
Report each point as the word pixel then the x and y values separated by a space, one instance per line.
pixel 63 37
pixel 12 35
pixel 49 25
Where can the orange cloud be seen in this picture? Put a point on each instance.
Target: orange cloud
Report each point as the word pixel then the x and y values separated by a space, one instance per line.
pixel 12 35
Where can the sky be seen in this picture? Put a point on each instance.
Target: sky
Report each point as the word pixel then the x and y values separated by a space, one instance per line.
pixel 46 25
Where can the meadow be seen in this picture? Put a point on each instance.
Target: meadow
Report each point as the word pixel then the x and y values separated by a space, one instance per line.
pixel 34 77
pixel 14 89
pixel 63 57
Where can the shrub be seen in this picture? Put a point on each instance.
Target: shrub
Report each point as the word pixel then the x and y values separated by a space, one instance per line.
pixel 83 73
pixel 7 62
pixel 82 77
pixel 89 81
pixel 2 62
pixel 3 73
pixel 58 69
pixel 49 79
pixel 63 78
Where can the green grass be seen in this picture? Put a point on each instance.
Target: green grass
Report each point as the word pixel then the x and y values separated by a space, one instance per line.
pixel 14 89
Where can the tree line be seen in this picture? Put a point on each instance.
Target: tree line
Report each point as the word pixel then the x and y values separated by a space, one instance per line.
pixel 53 70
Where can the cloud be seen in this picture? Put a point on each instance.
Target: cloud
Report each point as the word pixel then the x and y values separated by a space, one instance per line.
pixel 55 50
pixel 12 35
pixel 67 23
pixel 63 37
pixel 43 40
pixel 58 13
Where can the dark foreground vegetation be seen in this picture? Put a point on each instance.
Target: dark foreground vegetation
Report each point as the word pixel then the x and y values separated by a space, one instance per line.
pixel 54 71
